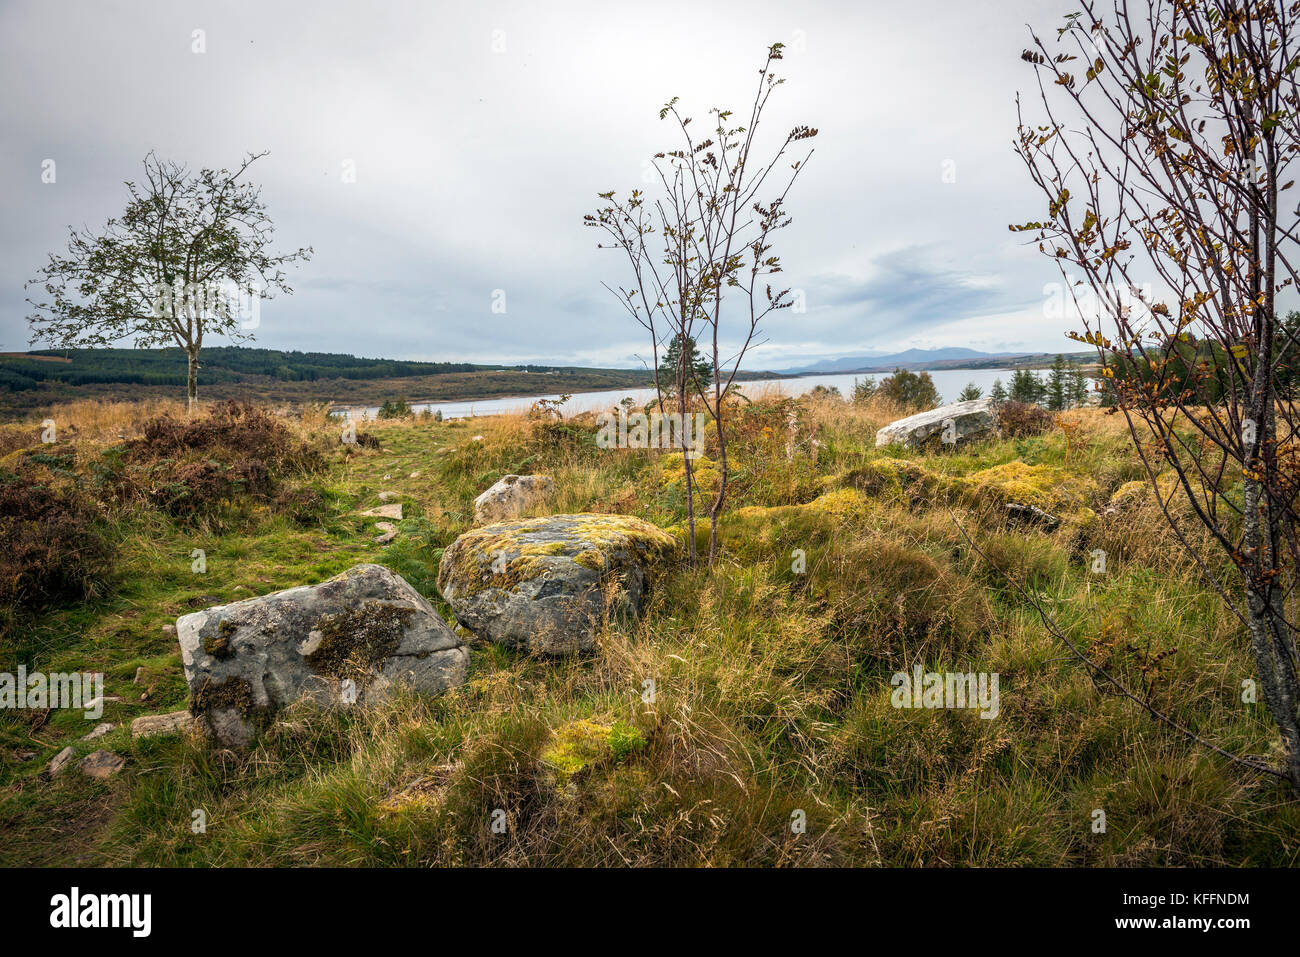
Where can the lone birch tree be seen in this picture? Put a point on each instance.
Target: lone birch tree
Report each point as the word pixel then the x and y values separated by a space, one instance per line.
pixel 189 258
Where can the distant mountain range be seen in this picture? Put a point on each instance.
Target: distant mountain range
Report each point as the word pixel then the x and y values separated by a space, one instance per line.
pixel 952 357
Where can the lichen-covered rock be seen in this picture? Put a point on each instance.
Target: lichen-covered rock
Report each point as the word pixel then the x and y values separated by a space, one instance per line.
pixel 151 724
pixel 347 640
pixel 947 425
pixel 510 497
pixel 544 584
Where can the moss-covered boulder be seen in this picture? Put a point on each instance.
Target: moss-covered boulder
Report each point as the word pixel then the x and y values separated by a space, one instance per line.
pixel 345 641
pixel 1047 497
pixel 545 584
pixel 896 480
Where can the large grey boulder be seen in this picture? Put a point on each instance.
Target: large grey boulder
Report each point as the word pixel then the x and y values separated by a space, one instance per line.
pixel 544 585
pixel 946 425
pixel 345 641
pixel 510 497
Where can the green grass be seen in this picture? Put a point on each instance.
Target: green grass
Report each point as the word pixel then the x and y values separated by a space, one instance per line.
pixel 771 688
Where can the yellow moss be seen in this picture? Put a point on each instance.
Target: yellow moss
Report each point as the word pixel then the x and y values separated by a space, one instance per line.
pixel 503 555
pixel 888 477
pixel 1083 519
pixel 591 558
pixel 840 504
pixel 670 473
pixel 1132 493
pixel 582 743
pixel 1046 486
pixel 759 525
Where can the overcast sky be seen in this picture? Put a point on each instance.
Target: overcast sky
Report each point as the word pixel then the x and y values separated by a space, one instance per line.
pixel 481 132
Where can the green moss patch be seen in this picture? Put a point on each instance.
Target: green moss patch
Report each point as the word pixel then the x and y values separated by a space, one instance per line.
pixel 234 693
pixel 581 744
pixel 354 641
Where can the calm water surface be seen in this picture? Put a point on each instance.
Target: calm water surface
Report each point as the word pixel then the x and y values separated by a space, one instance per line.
pixel 949 382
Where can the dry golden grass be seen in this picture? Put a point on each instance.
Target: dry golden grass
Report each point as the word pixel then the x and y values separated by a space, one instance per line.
pixel 89 422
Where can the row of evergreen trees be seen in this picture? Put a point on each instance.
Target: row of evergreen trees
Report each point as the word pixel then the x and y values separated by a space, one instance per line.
pixel 1066 387
pixel 220 364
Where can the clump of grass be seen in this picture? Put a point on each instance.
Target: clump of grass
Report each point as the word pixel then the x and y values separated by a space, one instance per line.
pixel 192 468
pixel 54 545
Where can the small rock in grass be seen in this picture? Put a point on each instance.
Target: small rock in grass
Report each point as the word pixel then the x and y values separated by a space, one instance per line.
pixel 389 533
pixel 1032 515
pixel 101 764
pixel 60 760
pixel 149 724
pixel 393 511
pixel 99 731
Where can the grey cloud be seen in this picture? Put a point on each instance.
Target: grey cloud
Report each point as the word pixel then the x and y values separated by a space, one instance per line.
pixel 474 167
